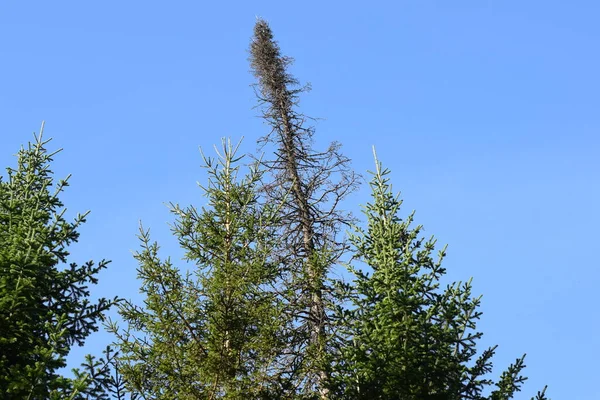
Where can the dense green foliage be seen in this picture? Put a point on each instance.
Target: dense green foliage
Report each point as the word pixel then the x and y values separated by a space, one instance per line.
pixel 210 332
pixel 44 305
pixel 403 336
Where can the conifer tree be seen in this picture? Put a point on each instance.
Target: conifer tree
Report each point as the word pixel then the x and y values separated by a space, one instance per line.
pixel 211 332
pixel 44 298
pixel 406 337
pixel 312 183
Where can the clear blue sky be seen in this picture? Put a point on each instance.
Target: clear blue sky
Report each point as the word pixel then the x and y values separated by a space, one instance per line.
pixel 486 111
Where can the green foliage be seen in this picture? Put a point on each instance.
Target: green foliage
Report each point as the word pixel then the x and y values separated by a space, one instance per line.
pixel 213 331
pixel 220 330
pixel 44 301
pixel 404 337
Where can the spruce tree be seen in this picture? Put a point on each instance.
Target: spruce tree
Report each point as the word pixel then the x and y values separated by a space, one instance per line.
pixel 213 331
pixel 405 336
pixel 44 299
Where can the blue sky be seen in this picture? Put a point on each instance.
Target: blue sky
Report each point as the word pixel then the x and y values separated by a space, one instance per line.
pixel 484 110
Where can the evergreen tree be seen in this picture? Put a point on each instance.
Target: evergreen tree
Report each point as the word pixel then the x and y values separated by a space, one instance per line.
pixel 405 337
pixel 211 332
pixel 44 299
